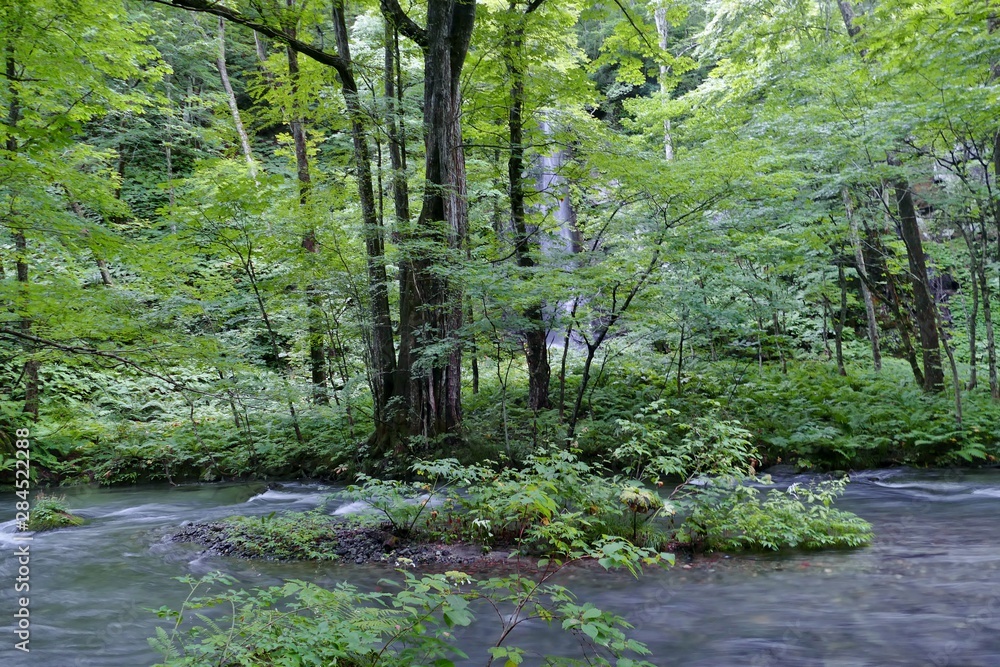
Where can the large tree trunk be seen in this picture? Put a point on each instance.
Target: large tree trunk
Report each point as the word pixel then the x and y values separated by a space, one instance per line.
pixel 536 350
pixel 430 354
pixel 923 302
pixel 878 270
pixel 420 393
pixel 394 125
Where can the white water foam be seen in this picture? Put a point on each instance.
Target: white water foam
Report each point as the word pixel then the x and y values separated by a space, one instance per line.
pixel 360 506
pixel 929 487
pixel 273 495
pixel 148 509
pixel 8 532
pixel 356 507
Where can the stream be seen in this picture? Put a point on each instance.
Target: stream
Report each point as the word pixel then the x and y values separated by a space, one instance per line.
pixel 927 592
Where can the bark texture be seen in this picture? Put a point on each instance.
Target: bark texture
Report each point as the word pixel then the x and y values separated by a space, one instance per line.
pixel 924 308
pixel 430 352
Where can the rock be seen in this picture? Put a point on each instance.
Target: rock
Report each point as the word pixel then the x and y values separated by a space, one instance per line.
pixel 351 544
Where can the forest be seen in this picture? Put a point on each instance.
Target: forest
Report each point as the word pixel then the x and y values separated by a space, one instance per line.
pixel 562 286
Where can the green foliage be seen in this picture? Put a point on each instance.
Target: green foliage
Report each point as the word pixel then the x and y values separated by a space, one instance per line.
pixel 51 512
pixel 732 516
pixel 806 415
pixel 401 504
pixel 815 418
pixel 723 509
pixel 658 449
pixel 290 536
pixel 555 505
pixel 303 624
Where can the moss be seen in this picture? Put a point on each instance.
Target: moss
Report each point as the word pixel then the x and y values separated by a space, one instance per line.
pixel 51 512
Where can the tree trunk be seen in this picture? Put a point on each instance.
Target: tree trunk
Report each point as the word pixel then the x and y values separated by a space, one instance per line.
pixel 430 354
pixel 315 331
pixel 680 359
pixel 826 328
pixel 878 267
pixel 31 391
pixel 954 376
pixel 847 13
pixel 471 316
pixel 220 63
pixel 584 381
pixel 395 128
pixel 991 347
pixel 923 302
pixel 866 294
pixel 976 260
pixel 903 326
pixel 973 352
pixel 102 265
pixel 170 179
pixel 567 338
pixel 381 348
pixel 838 332
pixel 423 387
pixel 535 336
pixel 663 30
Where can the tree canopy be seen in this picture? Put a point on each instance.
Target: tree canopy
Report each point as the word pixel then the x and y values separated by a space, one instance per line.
pixel 336 235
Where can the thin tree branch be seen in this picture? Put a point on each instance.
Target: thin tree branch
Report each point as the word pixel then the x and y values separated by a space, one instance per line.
pixel 220 10
pixel 94 352
pixel 637 30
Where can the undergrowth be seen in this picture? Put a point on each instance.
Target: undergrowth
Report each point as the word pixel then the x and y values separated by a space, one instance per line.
pixel 285 537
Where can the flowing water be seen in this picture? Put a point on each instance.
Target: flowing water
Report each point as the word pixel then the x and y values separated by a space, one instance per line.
pixel 927 592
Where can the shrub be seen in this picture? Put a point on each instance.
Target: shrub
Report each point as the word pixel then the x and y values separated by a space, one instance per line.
pixel 731 516
pixel 723 510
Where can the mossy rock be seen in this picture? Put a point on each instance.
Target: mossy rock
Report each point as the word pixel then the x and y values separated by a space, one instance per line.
pixel 289 537
pixel 53 520
pixel 51 512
